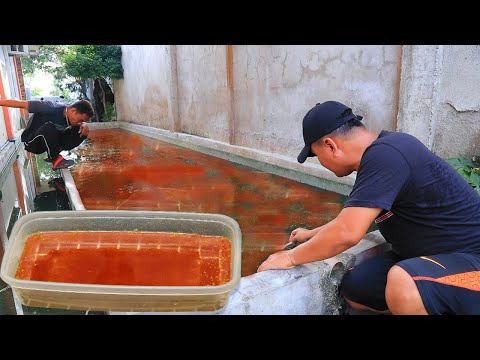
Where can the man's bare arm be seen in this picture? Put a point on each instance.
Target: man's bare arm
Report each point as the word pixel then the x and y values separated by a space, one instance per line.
pixel 331 239
pixel 20 104
pixel 340 234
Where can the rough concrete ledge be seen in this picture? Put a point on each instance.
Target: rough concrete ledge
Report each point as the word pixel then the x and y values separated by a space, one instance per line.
pixel 75 200
pixel 310 289
pixel 307 173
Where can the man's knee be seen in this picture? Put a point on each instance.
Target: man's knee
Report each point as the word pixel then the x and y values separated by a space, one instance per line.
pixel 354 294
pixel 402 294
pixel 365 287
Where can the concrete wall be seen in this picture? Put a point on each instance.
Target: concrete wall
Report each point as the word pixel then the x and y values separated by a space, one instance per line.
pixel 203 93
pixel 440 97
pixel 144 96
pixel 458 121
pixel 276 85
pixel 273 88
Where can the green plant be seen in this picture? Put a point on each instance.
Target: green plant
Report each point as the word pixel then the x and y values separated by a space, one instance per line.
pixel 109 113
pixel 469 169
pixel 73 66
pixel 95 62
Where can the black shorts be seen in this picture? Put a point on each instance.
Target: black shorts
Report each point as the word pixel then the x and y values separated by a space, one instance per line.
pixel 52 138
pixel 447 283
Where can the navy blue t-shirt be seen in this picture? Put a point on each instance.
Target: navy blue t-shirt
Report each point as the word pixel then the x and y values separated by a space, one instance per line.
pixel 428 207
pixel 44 111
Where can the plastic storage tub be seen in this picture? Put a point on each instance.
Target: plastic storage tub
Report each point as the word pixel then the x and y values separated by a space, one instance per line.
pixel 80 296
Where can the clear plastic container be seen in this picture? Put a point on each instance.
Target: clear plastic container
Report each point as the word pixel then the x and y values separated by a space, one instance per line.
pixel 80 296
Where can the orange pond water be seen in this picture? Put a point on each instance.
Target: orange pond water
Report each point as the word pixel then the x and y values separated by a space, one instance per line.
pixel 126 258
pixel 126 171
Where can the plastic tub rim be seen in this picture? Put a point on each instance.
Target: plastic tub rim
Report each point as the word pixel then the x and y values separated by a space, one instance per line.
pixel 123 289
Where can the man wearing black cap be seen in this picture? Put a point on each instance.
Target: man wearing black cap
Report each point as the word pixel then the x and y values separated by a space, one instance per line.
pixel 427 212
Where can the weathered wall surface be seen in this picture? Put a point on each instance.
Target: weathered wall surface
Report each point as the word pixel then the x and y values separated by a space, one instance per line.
pixel 276 85
pixel 440 98
pixel 144 96
pixel 458 121
pixel 203 93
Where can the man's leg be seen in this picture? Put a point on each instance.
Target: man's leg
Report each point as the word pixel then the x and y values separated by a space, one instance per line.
pixel 436 284
pixel 402 294
pixel 45 139
pixel 363 286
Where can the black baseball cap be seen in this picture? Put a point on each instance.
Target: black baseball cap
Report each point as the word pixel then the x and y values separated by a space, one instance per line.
pixel 321 120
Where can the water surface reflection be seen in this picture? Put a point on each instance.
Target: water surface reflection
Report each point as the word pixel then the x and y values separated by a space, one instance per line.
pixel 121 170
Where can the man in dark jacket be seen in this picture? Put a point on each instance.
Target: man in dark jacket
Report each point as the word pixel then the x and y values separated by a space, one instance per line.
pixel 54 127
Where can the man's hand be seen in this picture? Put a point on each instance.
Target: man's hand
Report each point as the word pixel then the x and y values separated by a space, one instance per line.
pixel 300 235
pixel 83 130
pixel 279 260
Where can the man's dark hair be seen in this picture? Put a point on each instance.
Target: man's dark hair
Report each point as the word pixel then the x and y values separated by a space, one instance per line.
pixel 346 128
pixel 83 107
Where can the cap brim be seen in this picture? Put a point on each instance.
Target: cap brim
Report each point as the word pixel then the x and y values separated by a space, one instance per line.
pixel 304 154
